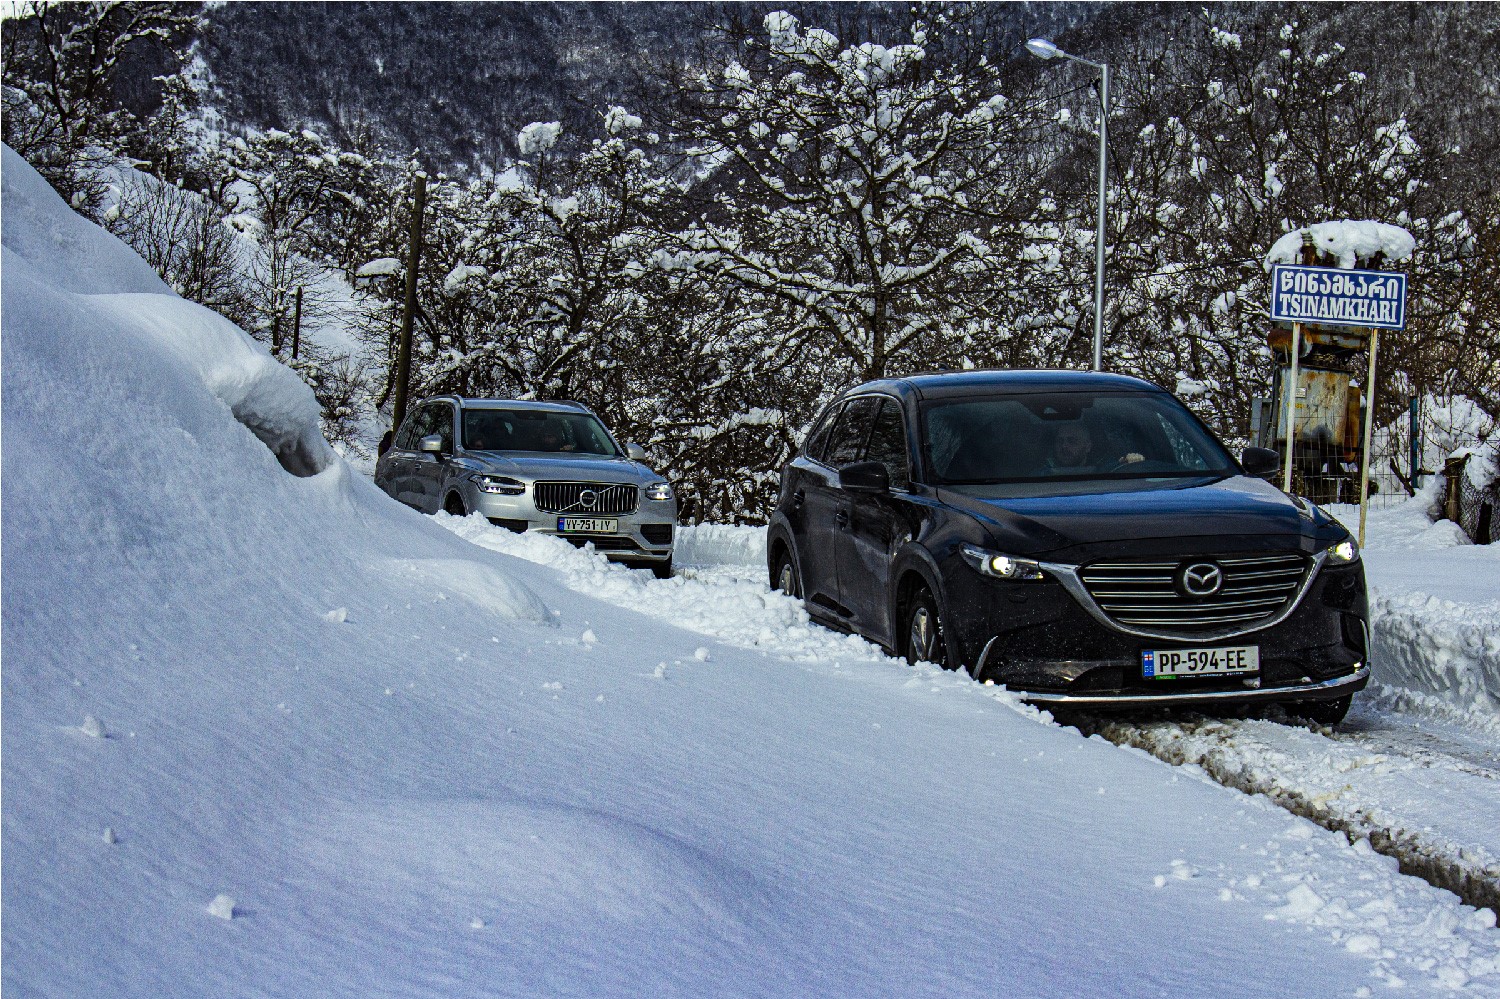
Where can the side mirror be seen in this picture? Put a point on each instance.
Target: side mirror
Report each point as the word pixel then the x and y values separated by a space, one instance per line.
pixel 432 444
pixel 865 477
pixel 635 452
pixel 1260 462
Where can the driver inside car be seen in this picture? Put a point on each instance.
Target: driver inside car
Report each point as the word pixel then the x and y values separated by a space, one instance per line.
pixel 1073 453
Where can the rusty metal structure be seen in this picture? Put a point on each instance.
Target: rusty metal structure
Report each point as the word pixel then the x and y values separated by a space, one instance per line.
pixel 1329 410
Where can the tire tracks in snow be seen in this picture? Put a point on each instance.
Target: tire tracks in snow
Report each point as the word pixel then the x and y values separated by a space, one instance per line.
pixel 1251 755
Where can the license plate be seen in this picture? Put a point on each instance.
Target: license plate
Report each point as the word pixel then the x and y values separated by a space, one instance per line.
pixel 1167 664
pixel 587 525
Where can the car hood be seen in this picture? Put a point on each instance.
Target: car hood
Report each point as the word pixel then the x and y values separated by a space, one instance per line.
pixel 1239 506
pixel 573 468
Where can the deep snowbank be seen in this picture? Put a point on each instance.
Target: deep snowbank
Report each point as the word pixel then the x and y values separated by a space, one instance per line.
pixel 268 734
pixel 1434 605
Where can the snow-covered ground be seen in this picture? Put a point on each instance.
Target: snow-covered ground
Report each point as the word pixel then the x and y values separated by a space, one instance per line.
pixel 272 734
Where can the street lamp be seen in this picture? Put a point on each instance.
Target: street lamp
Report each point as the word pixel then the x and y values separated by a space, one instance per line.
pixel 1043 49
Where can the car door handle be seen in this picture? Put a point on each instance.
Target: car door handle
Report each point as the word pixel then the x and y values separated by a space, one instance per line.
pixel 841 518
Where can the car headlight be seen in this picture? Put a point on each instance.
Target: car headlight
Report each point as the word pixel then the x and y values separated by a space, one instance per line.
pixel 659 491
pixel 1001 566
pixel 499 484
pixel 1346 552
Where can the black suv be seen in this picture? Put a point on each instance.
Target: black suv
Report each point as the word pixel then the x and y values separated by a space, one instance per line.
pixel 1079 537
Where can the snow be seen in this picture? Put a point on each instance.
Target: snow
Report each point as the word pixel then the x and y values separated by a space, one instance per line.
pixel 447 791
pixel 380 267
pixel 538 137
pixel 461 275
pixel 1434 602
pixel 1347 241
pixel 617 120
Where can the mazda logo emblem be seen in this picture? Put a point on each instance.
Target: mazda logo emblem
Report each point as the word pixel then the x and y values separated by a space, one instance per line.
pixel 1201 579
pixel 588 498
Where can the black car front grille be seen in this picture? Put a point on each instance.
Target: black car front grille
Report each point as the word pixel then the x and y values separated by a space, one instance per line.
pixel 657 534
pixel 574 497
pixel 1149 595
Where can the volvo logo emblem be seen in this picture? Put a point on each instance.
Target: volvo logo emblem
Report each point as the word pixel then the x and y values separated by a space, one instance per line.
pixel 588 499
pixel 1201 579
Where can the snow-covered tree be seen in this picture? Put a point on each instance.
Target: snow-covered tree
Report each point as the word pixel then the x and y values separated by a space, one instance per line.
pixel 875 194
pixel 60 62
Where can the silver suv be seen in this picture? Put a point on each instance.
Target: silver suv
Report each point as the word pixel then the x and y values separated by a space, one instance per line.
pixel 537 466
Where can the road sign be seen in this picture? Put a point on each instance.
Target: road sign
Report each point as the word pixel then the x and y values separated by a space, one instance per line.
pixel 1330 296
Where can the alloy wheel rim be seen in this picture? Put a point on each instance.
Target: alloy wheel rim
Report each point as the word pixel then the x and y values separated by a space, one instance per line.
pixel 920 640
pixel 784 580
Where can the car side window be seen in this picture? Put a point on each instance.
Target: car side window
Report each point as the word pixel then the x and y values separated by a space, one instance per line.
pixel 847 443
pixel 424 428
pixel 817 440
pixel 442 424
pixel 406 437
pixel 888 444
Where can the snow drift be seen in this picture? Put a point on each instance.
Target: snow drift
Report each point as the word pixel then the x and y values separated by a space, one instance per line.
pixel 272 734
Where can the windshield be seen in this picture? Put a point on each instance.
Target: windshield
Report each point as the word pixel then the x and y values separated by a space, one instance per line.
pixel 536 430
pixel 1040 444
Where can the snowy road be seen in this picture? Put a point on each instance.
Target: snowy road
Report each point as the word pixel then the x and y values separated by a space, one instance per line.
pixel 1416 777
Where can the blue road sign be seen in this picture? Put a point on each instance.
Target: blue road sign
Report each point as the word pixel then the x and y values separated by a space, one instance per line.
pixel 1333 297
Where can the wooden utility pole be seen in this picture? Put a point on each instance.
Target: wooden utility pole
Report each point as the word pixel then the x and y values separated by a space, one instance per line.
pixel 297 325
pixel 409 308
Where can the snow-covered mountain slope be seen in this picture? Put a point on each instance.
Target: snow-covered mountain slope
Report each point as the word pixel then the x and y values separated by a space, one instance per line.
pixel 403 764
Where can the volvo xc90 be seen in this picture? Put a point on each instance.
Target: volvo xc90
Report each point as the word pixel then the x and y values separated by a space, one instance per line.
pixel 533 466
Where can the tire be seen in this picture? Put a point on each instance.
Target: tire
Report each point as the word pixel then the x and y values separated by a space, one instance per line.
pixel 454 504
pixel 924 632
pixel 1328 713
pixel 662 570
pixel 784 577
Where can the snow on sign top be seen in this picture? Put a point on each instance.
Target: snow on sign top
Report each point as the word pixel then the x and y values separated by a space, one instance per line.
pixel 1349 242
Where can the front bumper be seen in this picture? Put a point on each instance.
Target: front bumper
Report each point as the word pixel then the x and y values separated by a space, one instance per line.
pixel 645 535
pixel 1039 640
pixel 1325 690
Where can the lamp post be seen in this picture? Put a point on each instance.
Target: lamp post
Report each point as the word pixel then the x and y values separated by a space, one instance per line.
pixel 1043 49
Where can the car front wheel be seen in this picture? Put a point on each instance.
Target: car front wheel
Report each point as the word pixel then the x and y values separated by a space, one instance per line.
pixel 784 577
pixel 924 632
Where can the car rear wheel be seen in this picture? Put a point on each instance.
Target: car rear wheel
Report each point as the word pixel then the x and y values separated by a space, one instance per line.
pixel 924 632
pixel 1328 713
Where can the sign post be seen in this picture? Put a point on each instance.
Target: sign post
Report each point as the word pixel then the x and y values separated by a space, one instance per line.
pixel 1364 464
pixel 1331 296
pixel 1291 407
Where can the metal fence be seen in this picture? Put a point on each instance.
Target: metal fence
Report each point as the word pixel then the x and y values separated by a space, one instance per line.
pixel 1405 456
